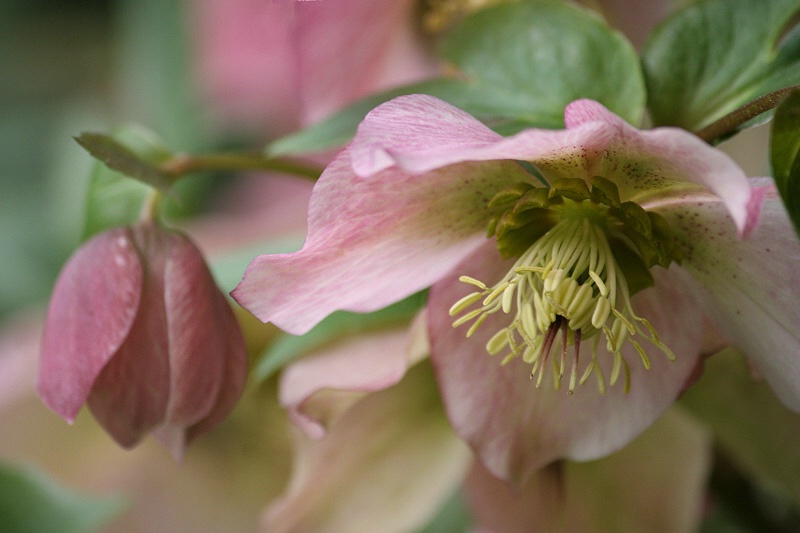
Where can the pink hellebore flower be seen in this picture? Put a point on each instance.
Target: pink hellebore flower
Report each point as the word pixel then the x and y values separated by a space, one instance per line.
pixel 288 62
pixel 138 330
pixel 607 248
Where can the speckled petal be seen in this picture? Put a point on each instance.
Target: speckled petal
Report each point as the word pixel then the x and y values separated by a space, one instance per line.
pixel 373 242
pixel 750 286
pixel 420 133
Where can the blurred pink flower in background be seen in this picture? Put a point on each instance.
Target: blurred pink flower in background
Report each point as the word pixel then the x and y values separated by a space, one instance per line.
pixel 277 65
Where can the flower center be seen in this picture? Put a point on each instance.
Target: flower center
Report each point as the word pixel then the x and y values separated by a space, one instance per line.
pixel 573 282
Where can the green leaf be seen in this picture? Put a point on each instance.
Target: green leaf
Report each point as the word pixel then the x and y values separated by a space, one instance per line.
pixel 339 324
pixel 32 503
pixel 530 59
pixel 132 152
pixel 453 517
pixel 521 64
pixel 752 426
pixel 785 154
pixel 113 198
pixel 716 55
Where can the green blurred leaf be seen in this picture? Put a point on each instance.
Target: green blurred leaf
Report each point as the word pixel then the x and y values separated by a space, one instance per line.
pixel 521 64
pixel 453 517
pixel 32 503
pixel 530 59
pixel 141 163
pixel 785 154
pixel 716 55
pixel 754 428
pixel 113 198
pixel 339 324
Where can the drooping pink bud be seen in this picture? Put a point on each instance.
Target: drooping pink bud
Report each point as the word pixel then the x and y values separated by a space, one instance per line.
pixel 138 330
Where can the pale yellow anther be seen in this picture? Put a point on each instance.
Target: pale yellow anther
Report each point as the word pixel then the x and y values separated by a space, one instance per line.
pixel 601 286
pixel 498 341
pixel 476 325
pixel 601 311
pixel 508 298
pixel 495 293
pixel 472 281
pixel 465 302
pixel 581 300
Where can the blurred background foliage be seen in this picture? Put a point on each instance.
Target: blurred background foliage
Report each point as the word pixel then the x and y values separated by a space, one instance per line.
pixel 70 66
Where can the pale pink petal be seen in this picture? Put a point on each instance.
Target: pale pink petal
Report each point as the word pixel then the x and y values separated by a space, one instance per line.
pixel 320 387
pixel 420 133
pixel 92 310
pixel 389 463
pixel 667 464
pixel 750 286
pixel 649 165
pixel 516 428
pixel 373 242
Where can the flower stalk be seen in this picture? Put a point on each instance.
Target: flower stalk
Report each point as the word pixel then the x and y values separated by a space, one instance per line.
pixel 183 163
pixel 727 125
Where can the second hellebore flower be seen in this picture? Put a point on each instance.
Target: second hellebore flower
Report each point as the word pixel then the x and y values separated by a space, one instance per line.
pixel 607 248
pixel 138 330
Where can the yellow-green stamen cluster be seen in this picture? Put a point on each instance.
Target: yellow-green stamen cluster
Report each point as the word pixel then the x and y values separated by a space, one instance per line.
pixel 571 281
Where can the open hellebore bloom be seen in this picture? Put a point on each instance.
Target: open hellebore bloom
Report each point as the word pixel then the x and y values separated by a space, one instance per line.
pixel 584 260
pixel 138 330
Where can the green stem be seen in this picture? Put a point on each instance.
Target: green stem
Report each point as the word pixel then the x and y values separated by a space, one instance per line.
pixel 149 211
pixel 181 164
pixel 731 122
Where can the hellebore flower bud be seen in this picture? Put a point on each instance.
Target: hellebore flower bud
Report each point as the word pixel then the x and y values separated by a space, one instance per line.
pixel 138 330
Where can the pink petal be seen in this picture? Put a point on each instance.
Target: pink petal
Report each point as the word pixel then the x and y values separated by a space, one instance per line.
pixel 751 286
pixel 234 372
pixel 668 463
pixel 349 48
pixel 650 165
pixel 516 428
pixel 92 310
pixel 202 343
pixel 420 133
pixel 373 242
pixel 391 459
pixel 275 65
pixel 130 395
pixel 320 387
pixel 245 65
